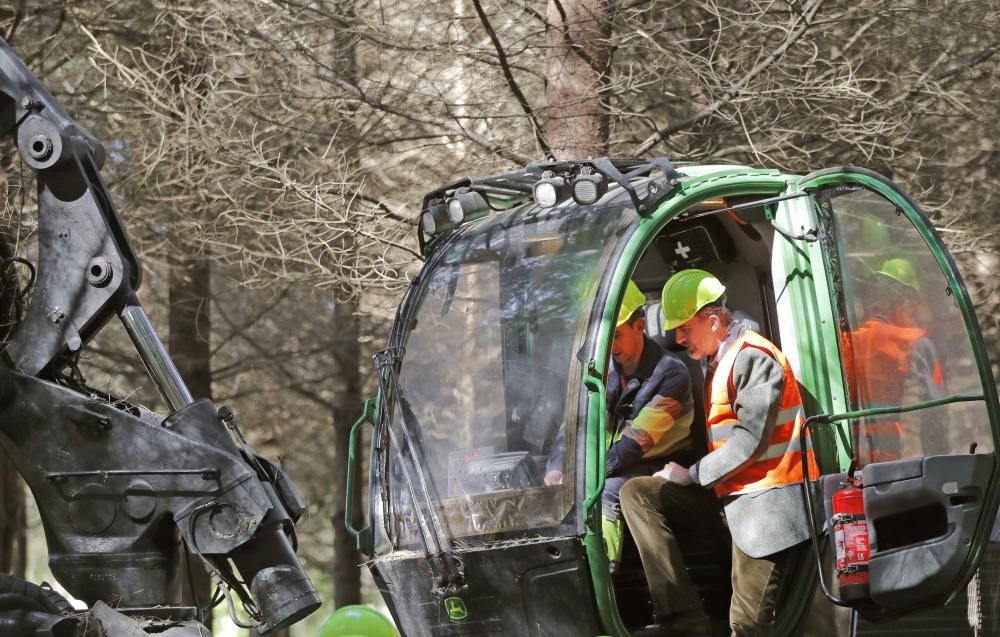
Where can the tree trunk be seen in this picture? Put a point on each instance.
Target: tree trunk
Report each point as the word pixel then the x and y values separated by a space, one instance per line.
pixel 190 348
pixel 13 528
pixel 347 359
pixel 190 324
pixel 576 72
pixel 347 354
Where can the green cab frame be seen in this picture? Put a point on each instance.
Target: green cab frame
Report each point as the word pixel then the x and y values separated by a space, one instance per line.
pixel 811 247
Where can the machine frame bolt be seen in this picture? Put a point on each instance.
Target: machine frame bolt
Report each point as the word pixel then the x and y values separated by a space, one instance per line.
pixel 99 272
pixel 40 147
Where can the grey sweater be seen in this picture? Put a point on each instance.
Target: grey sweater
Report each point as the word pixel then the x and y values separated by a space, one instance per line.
pixel 767 521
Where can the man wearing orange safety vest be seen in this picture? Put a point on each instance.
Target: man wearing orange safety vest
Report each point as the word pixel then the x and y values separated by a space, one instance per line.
pixel 753 412
pixel 892 362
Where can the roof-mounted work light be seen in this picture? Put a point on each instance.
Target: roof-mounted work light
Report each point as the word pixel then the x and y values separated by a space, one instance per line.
pixel 588 187
pixel 549 190
pixel 466 205
pixel 435 218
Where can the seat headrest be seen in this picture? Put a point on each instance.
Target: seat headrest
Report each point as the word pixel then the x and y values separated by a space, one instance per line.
pixel 655 331
pixel 654 320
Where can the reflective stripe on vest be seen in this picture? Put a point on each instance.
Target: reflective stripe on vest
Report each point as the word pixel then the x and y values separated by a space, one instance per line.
pixel 780 462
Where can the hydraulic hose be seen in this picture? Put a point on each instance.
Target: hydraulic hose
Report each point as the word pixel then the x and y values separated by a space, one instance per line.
pixel 30 610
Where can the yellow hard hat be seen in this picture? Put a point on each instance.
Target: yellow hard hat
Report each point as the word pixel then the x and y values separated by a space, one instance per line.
pixel 687 292
pixel 634 300
pixel 901 270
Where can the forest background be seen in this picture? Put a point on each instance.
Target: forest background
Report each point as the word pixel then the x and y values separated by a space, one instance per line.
pixel 269 159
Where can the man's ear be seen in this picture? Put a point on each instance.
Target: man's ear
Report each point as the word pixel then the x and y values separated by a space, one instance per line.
pixel 714 322
pixel 641 324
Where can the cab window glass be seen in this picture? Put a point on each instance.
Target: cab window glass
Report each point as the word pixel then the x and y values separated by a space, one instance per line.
pixel 903 339
pixel 489 383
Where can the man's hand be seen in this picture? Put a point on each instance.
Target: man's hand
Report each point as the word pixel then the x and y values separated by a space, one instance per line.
pixel 553 478
pixel 673 472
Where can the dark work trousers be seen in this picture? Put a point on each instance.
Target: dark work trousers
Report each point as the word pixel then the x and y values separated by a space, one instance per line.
pixel 758 587
pixel 610 498
pixel 657 511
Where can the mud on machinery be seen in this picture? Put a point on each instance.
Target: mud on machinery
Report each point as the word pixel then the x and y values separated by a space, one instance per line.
pixel 114 483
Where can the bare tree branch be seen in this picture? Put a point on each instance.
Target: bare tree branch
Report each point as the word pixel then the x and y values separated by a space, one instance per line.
pixel 509 78
pixel 804 23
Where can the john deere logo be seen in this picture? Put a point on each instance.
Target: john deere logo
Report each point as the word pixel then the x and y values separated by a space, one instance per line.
pixel 455 608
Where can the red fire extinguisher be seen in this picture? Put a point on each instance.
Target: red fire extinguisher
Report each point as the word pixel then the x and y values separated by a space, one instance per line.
pixel 850 534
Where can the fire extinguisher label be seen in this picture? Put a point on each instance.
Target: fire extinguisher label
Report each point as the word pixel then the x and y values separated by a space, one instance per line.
pixel 857 542
pixel 852 544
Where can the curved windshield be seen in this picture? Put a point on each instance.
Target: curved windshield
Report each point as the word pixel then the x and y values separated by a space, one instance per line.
pixel 487 388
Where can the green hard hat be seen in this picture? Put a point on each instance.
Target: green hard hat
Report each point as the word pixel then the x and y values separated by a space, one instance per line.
pixel 901 270
pixel 634 300
pixel 874 233
pixel 687 292
pixel 357 621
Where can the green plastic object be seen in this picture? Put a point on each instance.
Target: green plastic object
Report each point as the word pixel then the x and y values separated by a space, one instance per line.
pixel 357 621
pixel 634 300
pixel 901 270
pixel 612 532
pixel 687 292
pixel 874 234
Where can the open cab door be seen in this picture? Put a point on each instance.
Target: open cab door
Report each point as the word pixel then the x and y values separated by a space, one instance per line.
pixel 922 418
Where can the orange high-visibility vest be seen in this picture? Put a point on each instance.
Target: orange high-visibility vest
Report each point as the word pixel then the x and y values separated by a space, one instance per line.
pixel 780 463
pixel 880 356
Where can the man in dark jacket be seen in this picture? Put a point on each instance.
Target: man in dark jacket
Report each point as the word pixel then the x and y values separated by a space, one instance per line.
pixel 650 413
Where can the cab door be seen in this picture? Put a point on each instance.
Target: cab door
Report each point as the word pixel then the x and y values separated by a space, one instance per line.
pixel 921 422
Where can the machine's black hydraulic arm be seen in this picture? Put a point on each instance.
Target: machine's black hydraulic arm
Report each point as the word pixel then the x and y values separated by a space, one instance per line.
pixel 114 483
